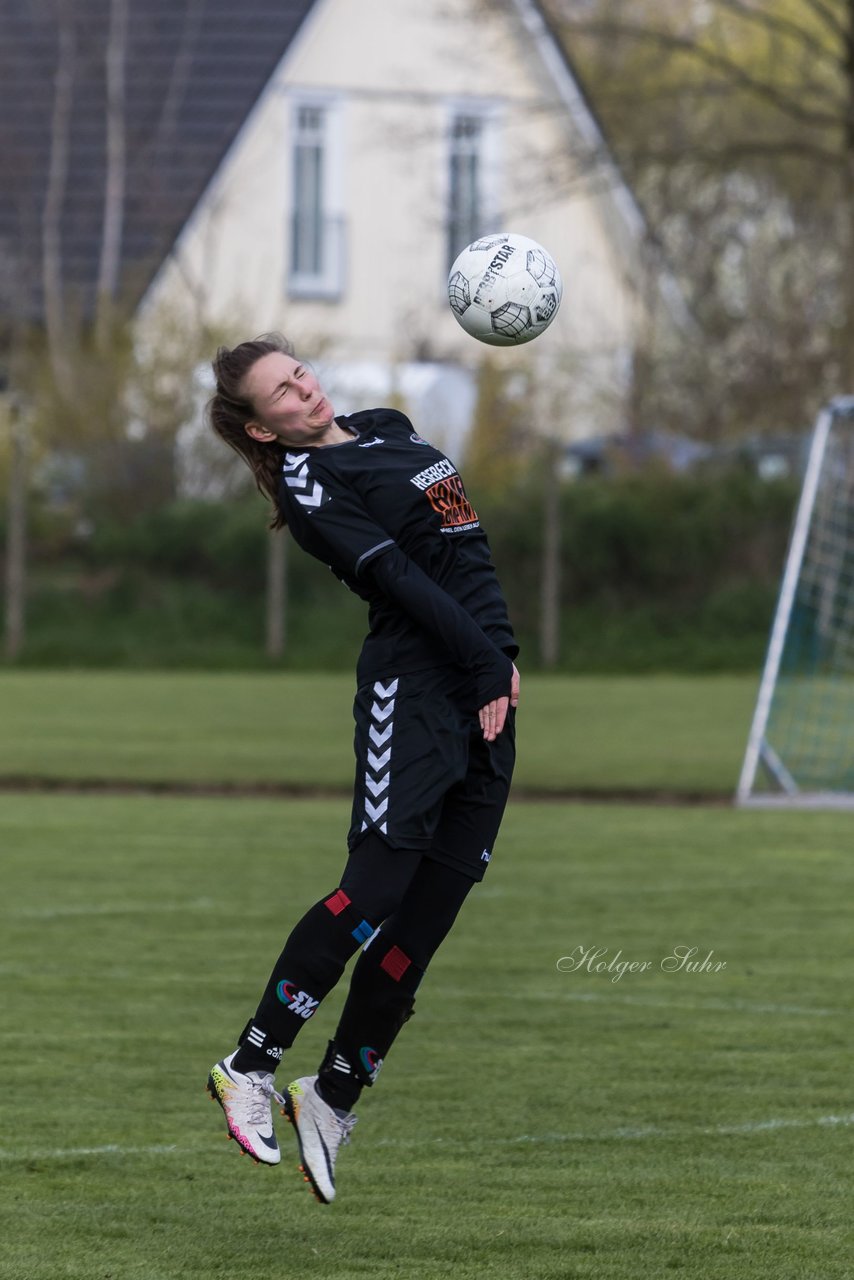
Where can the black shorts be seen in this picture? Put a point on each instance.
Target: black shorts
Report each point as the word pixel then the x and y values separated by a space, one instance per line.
pixel 425 778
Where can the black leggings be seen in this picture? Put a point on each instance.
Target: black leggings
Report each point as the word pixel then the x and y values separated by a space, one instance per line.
pixel 414 898
pixel 417 898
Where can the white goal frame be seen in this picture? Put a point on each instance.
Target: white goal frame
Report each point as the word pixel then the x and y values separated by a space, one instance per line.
pixel 759 750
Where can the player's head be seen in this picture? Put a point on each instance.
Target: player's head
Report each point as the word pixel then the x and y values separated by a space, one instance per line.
pixel 288 404
pixel 231 410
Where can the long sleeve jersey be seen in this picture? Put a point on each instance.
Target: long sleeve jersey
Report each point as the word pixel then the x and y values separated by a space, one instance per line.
pixel 389 515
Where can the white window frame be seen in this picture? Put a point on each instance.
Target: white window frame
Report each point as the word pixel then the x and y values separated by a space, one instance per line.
pixel 327 282
pixel 489 114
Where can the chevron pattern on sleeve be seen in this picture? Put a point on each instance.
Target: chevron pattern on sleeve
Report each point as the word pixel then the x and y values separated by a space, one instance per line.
pixel 378 771
pixel 308 492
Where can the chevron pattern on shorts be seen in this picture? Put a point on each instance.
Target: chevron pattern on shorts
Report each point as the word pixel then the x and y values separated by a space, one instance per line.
pixel 309 493
pixel 378 772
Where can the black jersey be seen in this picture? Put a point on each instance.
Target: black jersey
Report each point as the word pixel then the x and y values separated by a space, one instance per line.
pixel 389 515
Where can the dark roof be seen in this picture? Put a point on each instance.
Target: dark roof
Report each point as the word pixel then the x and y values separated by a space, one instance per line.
pixel 194 69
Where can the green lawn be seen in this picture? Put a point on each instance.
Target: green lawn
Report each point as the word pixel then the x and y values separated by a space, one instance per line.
pixel 531 1123
pixel 657 732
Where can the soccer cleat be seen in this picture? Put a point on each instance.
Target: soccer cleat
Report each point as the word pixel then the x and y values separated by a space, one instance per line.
pixel 321 1131
pixel 245 1099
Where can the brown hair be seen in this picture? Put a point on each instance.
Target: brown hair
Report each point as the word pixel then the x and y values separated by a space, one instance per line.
pixel 230 409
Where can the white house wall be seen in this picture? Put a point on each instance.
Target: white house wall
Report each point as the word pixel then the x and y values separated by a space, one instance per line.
pixel 391 70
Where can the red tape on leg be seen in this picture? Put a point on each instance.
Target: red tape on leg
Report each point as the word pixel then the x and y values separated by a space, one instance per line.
pixel 337 903
pixel 395 962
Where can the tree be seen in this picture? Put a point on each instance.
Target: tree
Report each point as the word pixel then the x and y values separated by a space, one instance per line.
pixel 107 288
pixel 276 593
pixel 52 275
pixel 501 431
pixel 16 530
pixel 735 123
pixel 90 388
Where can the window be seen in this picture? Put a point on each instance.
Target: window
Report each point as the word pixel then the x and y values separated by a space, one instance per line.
pixel 317 231
pixel 472 204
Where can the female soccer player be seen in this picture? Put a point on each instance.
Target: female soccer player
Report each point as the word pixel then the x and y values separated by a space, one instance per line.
pixel 435 735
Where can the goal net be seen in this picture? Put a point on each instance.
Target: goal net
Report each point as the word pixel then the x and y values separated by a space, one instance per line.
pixel 801 745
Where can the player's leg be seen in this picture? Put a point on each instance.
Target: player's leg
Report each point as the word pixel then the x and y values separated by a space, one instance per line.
pixel 389 970
pixel 311 963
pixel 317 951
pixel 379 1001
pixel 386 978
pixel 411 746
pixel 392 964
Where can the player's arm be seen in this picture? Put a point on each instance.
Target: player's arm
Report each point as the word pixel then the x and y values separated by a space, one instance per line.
pixel 360 547
pixel 443 618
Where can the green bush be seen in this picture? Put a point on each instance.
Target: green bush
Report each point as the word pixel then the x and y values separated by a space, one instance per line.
pixel 658 573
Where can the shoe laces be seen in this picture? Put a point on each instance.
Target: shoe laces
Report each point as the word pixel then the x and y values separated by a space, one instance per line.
pixel 346 1125
pixel 258 1106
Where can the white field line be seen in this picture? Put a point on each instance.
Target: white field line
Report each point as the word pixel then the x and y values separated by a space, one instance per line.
pixel 110 1149
pixel 634 1134
pixel 735 1005
pixel 613 995
pixel 705 1131
pixel 125 976
pixel 109 909
pixel 622 1134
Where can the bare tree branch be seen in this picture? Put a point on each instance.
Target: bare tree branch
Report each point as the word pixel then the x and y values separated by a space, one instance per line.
pixel 114 182
pixel 828 17
pixel 179 77
pixel 51 221
pixel 733 152
pixel 16 533
pixel 785 27
pixel 618 93
pixel 787 105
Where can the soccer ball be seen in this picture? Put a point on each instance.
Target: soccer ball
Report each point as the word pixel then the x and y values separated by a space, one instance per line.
pixel 504 289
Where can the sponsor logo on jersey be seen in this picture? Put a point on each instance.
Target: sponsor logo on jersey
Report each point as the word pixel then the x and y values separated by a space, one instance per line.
pixel 417 439
pixel 431 474
pixel 448 497
pixel 367 444
pixel 443 488
pixel 485 856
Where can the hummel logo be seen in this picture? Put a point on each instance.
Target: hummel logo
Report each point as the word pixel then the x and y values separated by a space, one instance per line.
pixel 367 443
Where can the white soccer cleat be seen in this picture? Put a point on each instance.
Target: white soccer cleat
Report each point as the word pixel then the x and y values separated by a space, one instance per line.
pixel 246 1101
pixel 321 1130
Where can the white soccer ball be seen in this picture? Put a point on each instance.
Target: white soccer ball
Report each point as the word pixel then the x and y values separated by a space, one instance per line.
pixel 505 289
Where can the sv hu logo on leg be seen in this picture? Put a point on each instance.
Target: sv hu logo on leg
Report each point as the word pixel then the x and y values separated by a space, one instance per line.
pixel 299 1002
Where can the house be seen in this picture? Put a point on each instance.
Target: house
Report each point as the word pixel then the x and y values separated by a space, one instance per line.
pixel 315 166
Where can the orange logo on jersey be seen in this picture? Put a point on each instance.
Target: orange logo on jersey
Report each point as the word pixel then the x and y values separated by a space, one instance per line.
pixel 448 497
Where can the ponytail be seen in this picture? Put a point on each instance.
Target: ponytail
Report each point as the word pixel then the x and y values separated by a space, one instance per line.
pixel 229 411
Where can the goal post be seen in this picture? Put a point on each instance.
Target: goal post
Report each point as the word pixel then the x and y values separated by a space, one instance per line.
pixel 800 751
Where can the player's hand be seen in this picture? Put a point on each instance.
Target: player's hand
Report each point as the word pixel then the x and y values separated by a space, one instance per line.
pixel 494 714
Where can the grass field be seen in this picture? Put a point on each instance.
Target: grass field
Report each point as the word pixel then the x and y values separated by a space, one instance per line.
pixel 530 1124
pixel 655 732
